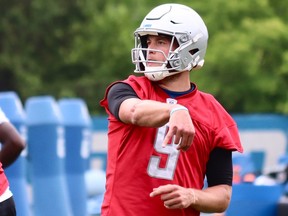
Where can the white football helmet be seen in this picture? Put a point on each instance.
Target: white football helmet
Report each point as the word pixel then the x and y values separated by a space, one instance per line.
pixel 182 24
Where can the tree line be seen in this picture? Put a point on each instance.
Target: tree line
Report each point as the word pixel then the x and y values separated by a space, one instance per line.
pixel 77 48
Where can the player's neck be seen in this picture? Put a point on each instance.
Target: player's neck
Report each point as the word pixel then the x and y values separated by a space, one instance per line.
pixel 178 82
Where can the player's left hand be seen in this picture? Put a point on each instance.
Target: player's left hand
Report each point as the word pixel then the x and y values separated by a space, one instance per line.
pixel 174 196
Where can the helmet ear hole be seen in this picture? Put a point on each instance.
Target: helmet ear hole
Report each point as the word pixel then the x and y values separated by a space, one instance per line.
pixel 193 51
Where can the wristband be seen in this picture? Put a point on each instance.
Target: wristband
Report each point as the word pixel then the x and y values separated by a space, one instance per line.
pixel 177 109
pixel 194 197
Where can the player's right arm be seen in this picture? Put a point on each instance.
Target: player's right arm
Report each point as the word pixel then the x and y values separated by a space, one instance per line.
pixel 128 108
pixel 145 113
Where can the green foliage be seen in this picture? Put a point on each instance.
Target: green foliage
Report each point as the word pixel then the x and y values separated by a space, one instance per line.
pixel 245 57
pixel 77 48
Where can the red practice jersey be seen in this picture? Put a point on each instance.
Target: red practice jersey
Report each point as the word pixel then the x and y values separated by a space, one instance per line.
pixel 3 180
pixel 137 162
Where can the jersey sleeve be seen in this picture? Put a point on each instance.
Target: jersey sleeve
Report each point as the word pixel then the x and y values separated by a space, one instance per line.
pixel 117 94
pixel 228 137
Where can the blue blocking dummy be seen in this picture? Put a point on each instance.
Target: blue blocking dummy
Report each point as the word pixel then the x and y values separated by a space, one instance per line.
pixel 16 172
pixel 46 152
pixel 77 125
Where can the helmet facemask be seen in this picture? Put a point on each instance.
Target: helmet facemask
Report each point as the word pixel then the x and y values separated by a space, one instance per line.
pixel 178 60
pixel 162 68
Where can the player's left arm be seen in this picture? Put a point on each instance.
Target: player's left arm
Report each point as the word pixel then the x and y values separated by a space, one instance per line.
pixel 215 198
pixel 211 200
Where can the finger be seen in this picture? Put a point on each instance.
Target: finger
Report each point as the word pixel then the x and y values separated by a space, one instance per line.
pixel 186 142
pixel 168 138
pixel 182 144
pixel 175 206
pixel 172 203
pixel 157 192
pixel 190 140
pixel 169 197
pixel 177 138
pixel 161 190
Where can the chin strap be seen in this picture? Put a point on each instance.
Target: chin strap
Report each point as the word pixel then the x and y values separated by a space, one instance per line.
pixel 160 73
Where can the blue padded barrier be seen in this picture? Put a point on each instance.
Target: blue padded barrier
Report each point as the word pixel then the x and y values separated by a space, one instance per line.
pixel 100 127
pixel 77 125
pixel 248 199
pixel 46 151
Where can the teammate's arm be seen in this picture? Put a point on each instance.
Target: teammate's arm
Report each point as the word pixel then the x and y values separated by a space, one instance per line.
pixel 12 144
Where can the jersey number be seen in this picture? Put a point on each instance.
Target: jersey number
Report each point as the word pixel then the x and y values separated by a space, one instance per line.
pixel 154 170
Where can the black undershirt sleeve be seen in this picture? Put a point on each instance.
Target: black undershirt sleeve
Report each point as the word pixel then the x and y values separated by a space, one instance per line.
pixel 219 168
pixel 117 94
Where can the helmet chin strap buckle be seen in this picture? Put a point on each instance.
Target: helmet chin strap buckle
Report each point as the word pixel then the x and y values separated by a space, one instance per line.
pixel 199 65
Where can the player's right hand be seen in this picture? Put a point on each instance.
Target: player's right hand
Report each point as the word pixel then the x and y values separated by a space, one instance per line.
pixel 181 130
